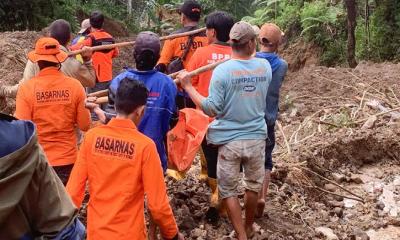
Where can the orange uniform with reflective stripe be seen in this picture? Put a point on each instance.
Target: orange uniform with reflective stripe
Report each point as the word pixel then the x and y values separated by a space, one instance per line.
pixel 102 60
pixel 176 47
pixel 56 104
pixel 121 165
pixel 204 56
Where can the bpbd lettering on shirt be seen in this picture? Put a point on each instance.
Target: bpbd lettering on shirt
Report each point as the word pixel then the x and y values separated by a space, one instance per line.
pixel 53 96
pixel 195 45
pixel 114 147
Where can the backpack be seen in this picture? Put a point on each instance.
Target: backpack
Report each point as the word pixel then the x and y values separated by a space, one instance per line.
pixel 177 63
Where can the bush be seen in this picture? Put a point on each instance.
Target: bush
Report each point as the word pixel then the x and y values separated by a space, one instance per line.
pixel 384 42
pixel 34 14
pixel 325 26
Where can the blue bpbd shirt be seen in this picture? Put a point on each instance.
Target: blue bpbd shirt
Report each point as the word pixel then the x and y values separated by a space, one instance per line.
pixel 237 95
pixel 159 108
pixel 279 69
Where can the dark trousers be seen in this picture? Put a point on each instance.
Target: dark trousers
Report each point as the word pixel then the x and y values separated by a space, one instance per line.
pixel 63 172
pixel 211 155
pixel 184 102
pixel 269 147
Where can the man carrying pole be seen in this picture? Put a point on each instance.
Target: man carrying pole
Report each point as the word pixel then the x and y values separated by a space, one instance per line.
pixel 218 26
pixel 176 53
pixel 102 60
pixel 56 104
pixel 71 67
pixel 237 96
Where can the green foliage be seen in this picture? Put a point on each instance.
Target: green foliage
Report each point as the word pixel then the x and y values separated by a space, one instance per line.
pixel 113 9
pixel 33 14
pixel 384 41
pixel 283 12
pixel 324 25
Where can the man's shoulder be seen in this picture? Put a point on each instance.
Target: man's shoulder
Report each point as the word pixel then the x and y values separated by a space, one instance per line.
pixel 163 76
pixel 72 81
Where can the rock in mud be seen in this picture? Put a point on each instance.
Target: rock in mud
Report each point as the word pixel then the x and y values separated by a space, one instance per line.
pixel 356 179
pixel 338 211
pixel 380 205
pixel 330 187
pixel 336 204
pixel 358 234
pixel 327 233
pixel 338 177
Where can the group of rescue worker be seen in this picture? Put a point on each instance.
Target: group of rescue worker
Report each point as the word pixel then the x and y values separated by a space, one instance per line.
pixel 47 166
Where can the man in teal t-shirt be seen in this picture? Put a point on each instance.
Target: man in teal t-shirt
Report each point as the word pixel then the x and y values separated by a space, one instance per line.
pixel 237 100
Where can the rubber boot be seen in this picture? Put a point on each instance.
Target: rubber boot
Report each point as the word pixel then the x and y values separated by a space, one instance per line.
pixel 203 167
pixel 212 215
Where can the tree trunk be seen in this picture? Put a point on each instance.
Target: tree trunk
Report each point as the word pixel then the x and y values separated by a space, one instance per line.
pixel 351 27
pixel 129 7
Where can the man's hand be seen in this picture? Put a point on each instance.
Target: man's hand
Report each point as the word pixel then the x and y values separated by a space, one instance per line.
pixel 184 79
pixel 86 54
pixel 90 103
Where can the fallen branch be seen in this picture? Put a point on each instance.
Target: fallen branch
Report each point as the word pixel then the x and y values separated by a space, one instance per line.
pixel 334 183
pixel 327 123
pixel 284 137
pixel 377 115
pixel 351 87
pixel 124 44
pixel 336 194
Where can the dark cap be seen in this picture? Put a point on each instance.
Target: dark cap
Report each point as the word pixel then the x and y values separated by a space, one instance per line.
pixel 147 41
pixel 242 32
pixel 191 9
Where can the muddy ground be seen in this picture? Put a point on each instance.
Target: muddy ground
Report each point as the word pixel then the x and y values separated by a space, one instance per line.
pixel 334 144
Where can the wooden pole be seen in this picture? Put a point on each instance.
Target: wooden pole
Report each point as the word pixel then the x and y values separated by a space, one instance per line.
pixel 124 44
pixel 102 95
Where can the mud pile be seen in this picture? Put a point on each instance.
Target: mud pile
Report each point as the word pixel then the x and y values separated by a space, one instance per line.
pixel 335 135
pixel 14 47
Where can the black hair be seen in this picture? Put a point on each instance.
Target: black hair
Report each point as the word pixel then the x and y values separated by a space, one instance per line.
pixel 187 10
pixel 96 19
pixel 61 31
pixel 131 94
pixel 243 48
pixel 221 22
pixel 45 64
pixel 146 60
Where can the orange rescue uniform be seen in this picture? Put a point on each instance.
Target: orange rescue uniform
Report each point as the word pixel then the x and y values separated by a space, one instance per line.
pixel 102 60
pixel 121 165
pixel 56 104
pixel 204 56
pixel 176 47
